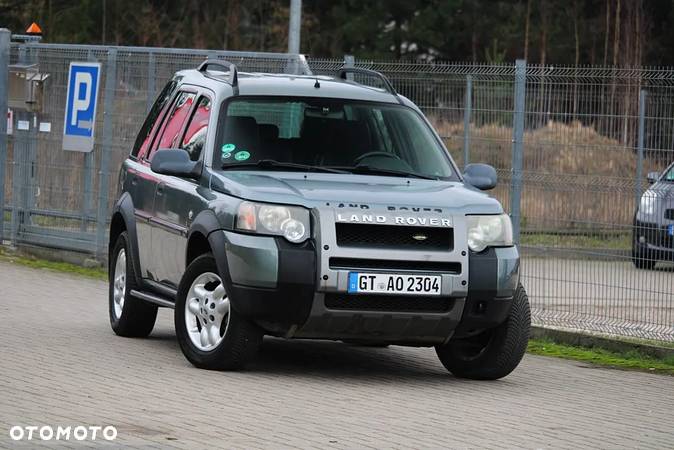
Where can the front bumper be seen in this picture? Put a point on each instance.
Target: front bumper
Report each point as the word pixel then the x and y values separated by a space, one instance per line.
pixel 654 240
pixel 284 288
pixel 493 279
pixel 270 280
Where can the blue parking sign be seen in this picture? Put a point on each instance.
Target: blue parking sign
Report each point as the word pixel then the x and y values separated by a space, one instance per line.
pixel 80 114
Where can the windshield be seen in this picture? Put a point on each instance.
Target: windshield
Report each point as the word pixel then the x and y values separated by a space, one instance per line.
pixel 306 133
pixel 669 176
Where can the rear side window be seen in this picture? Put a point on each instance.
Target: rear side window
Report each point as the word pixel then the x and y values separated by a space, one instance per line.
pixel 195 133
pixel 151 122
pixel 173 124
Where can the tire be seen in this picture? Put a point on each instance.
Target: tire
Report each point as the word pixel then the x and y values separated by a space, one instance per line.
pixel 494 353
pixel 641 259
pixel 129 316
pixel 202 309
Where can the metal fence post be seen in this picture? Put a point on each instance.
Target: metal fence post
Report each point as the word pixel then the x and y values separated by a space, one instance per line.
pixel 106 149
pixel 19 164
pixel 295 26
pixel 640 147
pixel 5 36
pixel 518 147
pixel 467 110
pixel 349 61
pixel 88 177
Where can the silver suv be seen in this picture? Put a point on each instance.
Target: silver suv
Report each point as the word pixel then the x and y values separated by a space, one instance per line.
pixel 310 207
pixel 653 235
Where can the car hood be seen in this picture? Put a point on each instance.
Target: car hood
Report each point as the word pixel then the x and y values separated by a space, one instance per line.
pixel 314 189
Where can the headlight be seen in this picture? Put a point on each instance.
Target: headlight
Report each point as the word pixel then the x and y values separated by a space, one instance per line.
pixel 291 222
pixel 489 231
pixel 647 204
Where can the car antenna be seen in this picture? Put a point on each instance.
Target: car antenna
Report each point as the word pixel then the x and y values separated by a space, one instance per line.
pixel 317 85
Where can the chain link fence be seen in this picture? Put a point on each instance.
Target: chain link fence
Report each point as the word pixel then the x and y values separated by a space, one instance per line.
pixel 572 147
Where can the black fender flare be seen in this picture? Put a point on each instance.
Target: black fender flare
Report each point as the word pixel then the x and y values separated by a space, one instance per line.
pixel 125 208
pixel 207 224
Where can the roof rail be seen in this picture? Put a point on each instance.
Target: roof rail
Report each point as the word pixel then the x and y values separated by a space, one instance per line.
pixel 228 66
pixel 387 84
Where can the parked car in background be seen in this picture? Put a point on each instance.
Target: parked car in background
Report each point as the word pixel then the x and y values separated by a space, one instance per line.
pixel 653 235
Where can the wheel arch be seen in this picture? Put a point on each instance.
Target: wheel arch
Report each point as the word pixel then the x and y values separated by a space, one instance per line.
pixel 123 219
pixel 205 235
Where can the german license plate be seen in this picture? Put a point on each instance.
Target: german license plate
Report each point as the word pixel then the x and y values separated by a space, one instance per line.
pixel 670 230
pixel 381 283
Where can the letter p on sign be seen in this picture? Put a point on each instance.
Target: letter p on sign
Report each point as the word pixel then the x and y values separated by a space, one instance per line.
pixel 80 114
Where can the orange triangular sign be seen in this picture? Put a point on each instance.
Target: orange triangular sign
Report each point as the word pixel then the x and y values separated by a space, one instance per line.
pixel 34 29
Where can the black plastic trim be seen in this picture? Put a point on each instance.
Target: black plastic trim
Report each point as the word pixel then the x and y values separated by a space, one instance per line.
pixel 125 208
pixel 338 263
pixel 483 309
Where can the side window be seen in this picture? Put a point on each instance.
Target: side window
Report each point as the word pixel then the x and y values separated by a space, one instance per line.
pixel 197 128
pixel 173 124
pixel 151 122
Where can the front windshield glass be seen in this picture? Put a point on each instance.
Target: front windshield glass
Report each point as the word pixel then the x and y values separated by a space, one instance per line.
pixel 669 176
pixel 306 133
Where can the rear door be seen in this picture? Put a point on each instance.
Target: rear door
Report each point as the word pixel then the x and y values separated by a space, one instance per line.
pixel 139 181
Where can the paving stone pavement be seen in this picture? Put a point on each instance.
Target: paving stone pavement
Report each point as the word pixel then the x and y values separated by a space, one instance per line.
pixel 62 365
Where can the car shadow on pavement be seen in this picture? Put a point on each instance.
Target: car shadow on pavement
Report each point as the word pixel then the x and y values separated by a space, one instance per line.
pixel 335 359
pixel 314 359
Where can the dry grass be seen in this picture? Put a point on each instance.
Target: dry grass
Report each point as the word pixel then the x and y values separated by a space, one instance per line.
pixel 574 178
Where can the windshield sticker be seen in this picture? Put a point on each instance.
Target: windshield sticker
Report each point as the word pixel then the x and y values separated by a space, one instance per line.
pixel 228 148
pixel 242 155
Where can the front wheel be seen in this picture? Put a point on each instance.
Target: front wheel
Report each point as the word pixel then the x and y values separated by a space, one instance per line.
pixel 494 353
pixel 211 334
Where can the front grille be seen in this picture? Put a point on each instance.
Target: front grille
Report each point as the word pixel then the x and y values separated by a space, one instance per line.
pixel 389 264
pixel 394 237
pixel 388 303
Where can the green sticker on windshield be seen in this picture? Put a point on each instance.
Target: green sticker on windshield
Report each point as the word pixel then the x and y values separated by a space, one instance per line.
pixel 228 148
pixel 242 155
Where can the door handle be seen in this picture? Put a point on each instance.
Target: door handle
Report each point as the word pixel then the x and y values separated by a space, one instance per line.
pixel 160 189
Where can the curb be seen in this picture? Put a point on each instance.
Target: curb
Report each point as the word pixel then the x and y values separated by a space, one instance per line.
pixel 580 339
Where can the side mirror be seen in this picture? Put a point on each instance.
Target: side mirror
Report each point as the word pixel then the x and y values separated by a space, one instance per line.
pixel 652 177
pixel 481 176
pixel 176 162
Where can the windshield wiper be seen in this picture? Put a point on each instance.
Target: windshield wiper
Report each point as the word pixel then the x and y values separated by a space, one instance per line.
pixel 273 164
pixel 370 170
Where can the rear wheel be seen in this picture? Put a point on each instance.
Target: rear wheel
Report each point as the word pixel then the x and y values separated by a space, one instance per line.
pixel 129 316
pixel 494 353
pixel 211 334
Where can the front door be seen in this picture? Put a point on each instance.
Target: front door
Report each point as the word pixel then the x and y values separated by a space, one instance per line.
pixel 177 201
pixel 168 137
